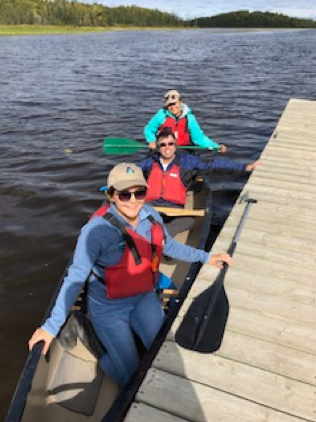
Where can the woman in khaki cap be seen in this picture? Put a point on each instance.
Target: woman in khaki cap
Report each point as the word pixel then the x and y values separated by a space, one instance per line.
pixel 119 251
pixel 178 117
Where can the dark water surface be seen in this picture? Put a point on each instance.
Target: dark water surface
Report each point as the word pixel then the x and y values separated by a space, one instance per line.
pixel 68 92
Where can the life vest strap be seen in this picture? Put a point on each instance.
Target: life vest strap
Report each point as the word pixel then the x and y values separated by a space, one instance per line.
pixel 128 239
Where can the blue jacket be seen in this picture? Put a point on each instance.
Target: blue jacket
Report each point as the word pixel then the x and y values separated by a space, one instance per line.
pixel 191 165
pixel 197 135
pixel 189 161
pixel 100 245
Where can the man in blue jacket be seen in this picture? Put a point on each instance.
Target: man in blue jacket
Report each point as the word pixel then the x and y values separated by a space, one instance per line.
pixel 170 173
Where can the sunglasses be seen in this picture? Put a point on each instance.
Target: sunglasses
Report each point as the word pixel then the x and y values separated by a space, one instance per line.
pixel 125 195
pixel 166 144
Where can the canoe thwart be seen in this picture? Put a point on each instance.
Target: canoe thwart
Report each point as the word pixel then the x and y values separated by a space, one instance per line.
pixel 180 212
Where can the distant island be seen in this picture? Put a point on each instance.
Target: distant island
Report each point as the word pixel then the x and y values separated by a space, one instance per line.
pixel 246 19
pixel 55 16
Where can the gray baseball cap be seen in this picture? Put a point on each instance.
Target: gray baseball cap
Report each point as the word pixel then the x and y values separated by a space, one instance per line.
pixel 126 175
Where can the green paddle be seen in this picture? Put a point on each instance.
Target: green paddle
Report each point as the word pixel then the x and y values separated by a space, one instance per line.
pixel 120 146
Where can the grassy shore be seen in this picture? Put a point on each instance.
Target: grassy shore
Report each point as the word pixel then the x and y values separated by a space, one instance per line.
pixel 47 29
pixel 56 29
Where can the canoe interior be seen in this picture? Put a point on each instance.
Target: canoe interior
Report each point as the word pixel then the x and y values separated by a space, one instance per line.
pixel 69 386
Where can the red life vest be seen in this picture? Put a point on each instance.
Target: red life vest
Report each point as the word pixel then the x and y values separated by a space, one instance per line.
pixel 179 128
pixel 137 271
pixel 166 185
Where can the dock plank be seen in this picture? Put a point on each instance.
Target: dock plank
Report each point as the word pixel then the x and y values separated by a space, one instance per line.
pixel 142 413
pixel 201 403
pixel 257 353
pixel 288 395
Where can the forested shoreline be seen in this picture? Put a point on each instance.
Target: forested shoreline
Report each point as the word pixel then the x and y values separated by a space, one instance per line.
pixel 73 12
pixel 245 19
pixel 80 14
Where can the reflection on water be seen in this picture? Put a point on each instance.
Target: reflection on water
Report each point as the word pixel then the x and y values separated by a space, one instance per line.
pixel 60 95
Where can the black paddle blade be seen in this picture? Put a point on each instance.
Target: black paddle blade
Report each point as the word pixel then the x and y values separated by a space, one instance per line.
pixel 202 329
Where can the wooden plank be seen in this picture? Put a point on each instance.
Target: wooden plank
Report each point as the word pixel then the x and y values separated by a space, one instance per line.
pixel 292 142
pixel 305 204
pixel 280 270
pixel 268 176
pixel 270 170
pixel 280 184
pixel 272 390
pixel 140 412
pixel 283 238
pixel 290 334
pixel 268 253
pixel 258 353
pixel 294 227
pixel 297 196
pixel 288 153
pixel 265 304
pixel 247 279
pixel 200 403
pixel 175 212
pixel 266 210
pixel 289 137
pixel 294 335
pixel 270 157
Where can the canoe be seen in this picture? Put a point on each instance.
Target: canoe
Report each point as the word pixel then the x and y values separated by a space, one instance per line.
pixel 68 385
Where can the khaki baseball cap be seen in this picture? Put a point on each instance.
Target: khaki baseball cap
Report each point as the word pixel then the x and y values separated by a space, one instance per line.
pixel 171 97
pixel 126 175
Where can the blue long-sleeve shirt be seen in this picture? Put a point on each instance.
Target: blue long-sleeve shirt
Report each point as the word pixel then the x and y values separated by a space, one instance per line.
pixel 100 245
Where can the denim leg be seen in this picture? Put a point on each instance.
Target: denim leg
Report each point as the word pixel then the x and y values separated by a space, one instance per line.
pixel 111 321
pixel 147 318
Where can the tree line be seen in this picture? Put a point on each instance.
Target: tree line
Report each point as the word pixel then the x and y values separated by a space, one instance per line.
pixel 246 19
pixel 73 12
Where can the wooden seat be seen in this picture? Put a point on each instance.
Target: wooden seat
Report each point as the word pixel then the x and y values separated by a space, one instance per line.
pixel 180 212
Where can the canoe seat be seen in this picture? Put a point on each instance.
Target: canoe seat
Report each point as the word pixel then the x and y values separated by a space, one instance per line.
pixel 180 212
pixel 75 381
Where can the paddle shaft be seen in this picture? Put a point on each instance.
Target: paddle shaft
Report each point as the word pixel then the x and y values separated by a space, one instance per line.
pixel 146 146
pixel 219 282
pixel 121 146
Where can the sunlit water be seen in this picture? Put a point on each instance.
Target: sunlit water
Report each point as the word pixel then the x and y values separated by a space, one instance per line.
pixel 65 93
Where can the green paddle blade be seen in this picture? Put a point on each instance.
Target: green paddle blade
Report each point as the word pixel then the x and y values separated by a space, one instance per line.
pixel 120 146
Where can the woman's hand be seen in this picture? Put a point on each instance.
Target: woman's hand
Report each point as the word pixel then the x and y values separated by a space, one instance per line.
pixel 41 335
pixel 152 145
pixel 218 260
pixel 222 149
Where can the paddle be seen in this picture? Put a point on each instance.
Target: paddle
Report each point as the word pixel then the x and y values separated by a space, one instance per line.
pixel 203 326
pixel 120 146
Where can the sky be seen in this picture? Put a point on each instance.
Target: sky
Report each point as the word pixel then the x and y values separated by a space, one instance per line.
pixel 189 9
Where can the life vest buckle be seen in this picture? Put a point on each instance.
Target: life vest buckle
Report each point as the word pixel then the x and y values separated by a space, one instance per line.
pixel 155 263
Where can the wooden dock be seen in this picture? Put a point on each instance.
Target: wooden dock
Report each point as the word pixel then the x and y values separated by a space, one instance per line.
pixel 265 370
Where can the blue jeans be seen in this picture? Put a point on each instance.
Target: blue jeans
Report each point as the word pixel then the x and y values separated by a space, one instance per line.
pixel 115 321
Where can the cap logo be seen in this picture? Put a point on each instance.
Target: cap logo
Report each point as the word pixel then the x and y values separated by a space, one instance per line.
pixel 129 170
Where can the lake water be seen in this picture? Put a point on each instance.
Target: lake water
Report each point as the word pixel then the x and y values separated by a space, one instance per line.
pixel 69 92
